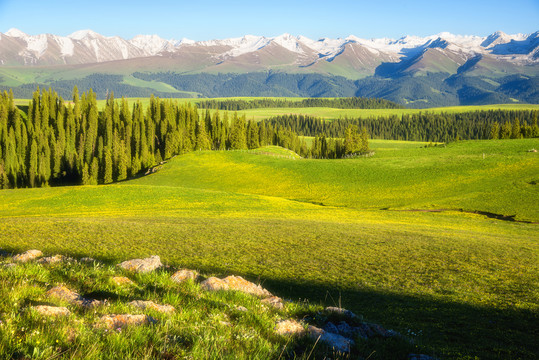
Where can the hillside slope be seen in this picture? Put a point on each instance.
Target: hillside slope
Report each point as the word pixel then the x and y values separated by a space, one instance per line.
pixel 315 229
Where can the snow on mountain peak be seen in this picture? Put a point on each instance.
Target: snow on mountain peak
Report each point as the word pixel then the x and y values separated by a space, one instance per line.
pixel 289 42
pixel 16 33
pixel 151 44
pixel 244 45
pixel 100 48
pixel 81 34
pixel 183 41
pixel 325 47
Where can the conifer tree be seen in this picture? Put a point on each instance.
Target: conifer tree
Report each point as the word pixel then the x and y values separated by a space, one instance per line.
pixel 94 172
pixel 122 163
pixel 494 131
pixel 85 179
pixel 515 130
pixel 107 177
pixel 253 141
pixel 202 140
pixel 33 164
pixel 238 138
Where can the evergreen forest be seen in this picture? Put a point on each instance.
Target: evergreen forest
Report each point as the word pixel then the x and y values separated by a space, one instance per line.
pixel 59 142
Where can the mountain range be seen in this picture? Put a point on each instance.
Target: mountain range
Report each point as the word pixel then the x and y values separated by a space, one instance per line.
pixel 442 69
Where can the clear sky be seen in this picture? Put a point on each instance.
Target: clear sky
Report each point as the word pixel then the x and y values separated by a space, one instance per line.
pixel 218 19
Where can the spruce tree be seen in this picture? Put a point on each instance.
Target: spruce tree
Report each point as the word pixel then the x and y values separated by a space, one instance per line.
pixel 253 141
pixel 494 131
pixel 107 177
pixel 516 130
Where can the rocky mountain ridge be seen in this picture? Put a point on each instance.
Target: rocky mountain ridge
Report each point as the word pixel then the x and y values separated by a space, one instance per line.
pixel 87 46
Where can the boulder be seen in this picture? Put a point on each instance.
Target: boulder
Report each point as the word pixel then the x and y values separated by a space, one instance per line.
pixel 345 329
pixel 63 293
pixel 274 301
pixel 142 265
pixel 289 328
pixel 53 259
pixel 331 327
pixel 364 331
pixel 121 280
pixel 28 255
pixel 113 321
pixel 141 304
pixel 341 311
pixel 214 284
pixel 335 341
pixel 184 275
pixel 240 284
pixel 51 311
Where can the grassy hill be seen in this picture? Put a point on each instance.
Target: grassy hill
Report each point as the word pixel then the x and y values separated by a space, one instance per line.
pixel 332 231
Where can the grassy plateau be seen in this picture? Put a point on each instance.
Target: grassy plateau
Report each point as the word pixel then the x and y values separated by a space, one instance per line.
pixel 411 238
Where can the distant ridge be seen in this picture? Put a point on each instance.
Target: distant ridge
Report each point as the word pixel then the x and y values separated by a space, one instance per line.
pixel 437 70
pixel 87 46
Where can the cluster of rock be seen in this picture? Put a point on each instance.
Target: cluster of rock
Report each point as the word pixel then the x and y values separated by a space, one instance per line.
pixel 337 335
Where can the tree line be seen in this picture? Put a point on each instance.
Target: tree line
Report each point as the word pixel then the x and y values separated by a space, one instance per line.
pixel 423 126
pixel 337 103
pixel 59 142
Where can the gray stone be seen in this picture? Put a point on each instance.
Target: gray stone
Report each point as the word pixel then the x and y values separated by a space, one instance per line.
pixel 345 329
pixel 330 327
pixel 364 331
pixel 142 265
pixel 53 259
pixel 274 301
pixel 335 341
pixel 214 284
pixel 184 275
pixel 141 304
pixel 51 311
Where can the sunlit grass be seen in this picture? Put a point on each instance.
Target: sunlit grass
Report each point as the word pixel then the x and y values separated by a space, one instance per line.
pixel 315 229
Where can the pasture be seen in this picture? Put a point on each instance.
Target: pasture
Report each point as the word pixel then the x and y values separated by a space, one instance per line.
pixel 347 232
pixel 321 112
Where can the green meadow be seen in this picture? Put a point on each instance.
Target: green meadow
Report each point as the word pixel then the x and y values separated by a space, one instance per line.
pixel 321 112
pixel 407 238
pixel 332 113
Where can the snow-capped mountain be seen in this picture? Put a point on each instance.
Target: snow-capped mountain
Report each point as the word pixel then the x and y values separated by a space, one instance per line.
pixel 86 47
pixel 435 70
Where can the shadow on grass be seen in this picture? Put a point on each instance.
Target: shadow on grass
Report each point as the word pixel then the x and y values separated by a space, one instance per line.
pixel 442 329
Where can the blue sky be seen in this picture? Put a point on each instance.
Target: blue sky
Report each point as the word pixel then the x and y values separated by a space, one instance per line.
pixel 204 20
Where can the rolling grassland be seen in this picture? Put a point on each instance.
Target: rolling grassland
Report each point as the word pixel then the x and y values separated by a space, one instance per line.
pixel 407 238
pixel 326 112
